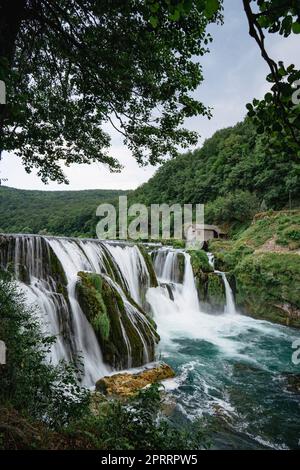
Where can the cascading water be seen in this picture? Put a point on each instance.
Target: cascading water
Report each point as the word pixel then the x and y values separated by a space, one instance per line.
pixel 230 368
pixel 230 304
pixel 47 268
pixel 133 268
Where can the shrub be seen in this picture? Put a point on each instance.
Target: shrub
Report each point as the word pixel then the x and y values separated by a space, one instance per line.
pixel 28 382
pixel 138 424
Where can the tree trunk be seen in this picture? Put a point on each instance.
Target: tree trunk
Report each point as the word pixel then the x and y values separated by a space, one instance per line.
pixel 11 14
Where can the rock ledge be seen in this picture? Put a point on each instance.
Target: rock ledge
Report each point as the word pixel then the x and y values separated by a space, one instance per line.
pixel 126 384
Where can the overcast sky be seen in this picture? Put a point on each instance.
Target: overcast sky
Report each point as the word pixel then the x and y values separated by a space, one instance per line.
pixel 234 73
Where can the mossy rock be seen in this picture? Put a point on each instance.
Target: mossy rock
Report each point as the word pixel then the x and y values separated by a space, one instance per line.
pixel 149 264
pixel 119 336
pixel 199 262
pixel 267 277
pixel 215 295
pixel 89 293
pixel 268 287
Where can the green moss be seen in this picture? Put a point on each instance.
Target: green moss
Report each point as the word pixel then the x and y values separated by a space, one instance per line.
pixel 89 292
pixel 175 243
pixel 215 295
pixel 150 268
pixel 105 309
pixel 199 262
pixel 267 280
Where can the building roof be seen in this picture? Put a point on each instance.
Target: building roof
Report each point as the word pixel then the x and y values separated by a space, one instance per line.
pixel 206 227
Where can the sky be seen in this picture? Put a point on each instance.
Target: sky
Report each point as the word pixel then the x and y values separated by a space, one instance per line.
pixel 234 73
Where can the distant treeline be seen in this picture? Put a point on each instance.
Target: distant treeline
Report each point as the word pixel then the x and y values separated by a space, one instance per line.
pixel 69 213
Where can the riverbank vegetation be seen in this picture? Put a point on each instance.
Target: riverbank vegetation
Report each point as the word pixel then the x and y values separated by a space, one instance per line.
pixel 265 262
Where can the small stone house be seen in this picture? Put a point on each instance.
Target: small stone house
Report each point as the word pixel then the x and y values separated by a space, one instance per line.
pixel 203 232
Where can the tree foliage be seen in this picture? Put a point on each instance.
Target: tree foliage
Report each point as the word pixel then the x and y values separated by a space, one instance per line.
pixel 28 382
pixel 73 69
pixel 68 213
pixel 139 424
pixel 277 115
pixel 233 161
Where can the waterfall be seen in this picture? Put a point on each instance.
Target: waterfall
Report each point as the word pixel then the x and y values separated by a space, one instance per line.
pixel 230 304
pixel 211 260
pixel 133 268
pixel 52 270
pixel 46 269
pixel 175 303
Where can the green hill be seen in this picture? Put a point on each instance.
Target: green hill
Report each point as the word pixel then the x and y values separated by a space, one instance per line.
pixel 233 174
pixel 69 213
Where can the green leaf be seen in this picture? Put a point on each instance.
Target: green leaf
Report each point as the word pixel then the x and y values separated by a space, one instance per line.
pixel 296 28
pixel 268 97
pixel 264 21
pixel 211 8
pixel 153 20
pixel 176 15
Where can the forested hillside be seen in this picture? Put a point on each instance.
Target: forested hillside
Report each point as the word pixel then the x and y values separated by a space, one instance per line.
pixel 68 213
pixel 233 173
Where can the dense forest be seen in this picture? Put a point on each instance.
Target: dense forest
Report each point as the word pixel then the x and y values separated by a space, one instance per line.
pixel 233 174
pixel 68 213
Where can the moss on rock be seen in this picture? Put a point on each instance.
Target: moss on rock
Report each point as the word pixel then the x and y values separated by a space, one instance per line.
pixel 119 336
pixel 89 293
pixel 199 262
pixel 126 384
pixel 268 286
pixel 215 294
pixel 264 267
pixel 150 268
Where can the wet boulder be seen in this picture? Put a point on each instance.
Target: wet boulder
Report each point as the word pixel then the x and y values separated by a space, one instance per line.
pixel 127 384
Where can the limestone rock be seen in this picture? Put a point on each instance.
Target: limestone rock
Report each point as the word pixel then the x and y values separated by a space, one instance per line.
pixel 126 384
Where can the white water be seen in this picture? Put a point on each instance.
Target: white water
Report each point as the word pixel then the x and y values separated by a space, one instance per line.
pixel 133 268
pixel 174 303
pixel 181 316
pixel 73 261
pixel 63 317
pixel 226 364
pixel 230 304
